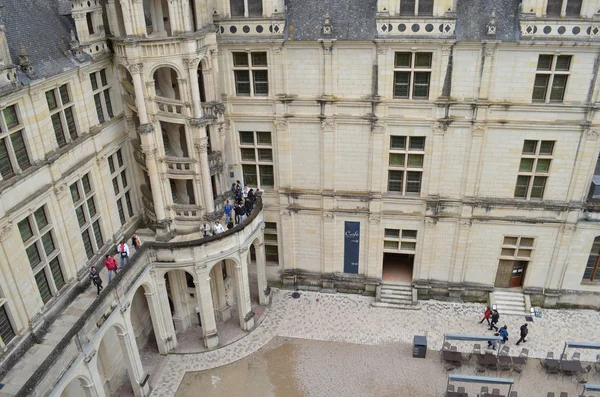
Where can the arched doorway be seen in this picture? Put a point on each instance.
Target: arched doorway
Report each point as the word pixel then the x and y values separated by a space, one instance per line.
pixel 166 84
pixel 78 387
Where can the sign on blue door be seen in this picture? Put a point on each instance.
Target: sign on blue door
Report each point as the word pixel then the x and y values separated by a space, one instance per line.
pixel 351 246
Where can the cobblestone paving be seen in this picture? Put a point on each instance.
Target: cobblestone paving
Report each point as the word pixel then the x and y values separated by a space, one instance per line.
pixel 350 318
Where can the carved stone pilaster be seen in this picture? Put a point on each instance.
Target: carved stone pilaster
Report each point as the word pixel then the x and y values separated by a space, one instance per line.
pixel 60 191
pixel 281 125
pixel 242 250
pixel 488 52
pixel 377 128
pixel 328 125
pixel 465 224
pixel 439 129
pixel 277 50
pixel 136 68
pixel 430 222
pixel 374 219
pixel 5 231
pixel 191 63
pixel 381 50
pixel 478 130
pixel 198 122
pixel 201 145
pixel 592 135
pixel 145 129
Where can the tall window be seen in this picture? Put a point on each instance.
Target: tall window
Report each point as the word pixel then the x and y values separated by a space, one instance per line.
pixel 406 164
pixel 514 259
pixel 416 7
pixel 591 269
pixel 62 114
pixel 257 158
pixel 251 73
pixel 121 186
pixel 271 244
pixel 400 240
pixel 412 75
pixel 238 8
pixel 40 245
pixel 13 153
pixel 7 332
pixel 534 169
pixel 551 78
pixel 558 8
pixel 83 194
pixel 101 95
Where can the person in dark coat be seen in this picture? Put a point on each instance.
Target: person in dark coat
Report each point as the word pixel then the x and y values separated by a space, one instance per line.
pixel 248 206
pixel 524 332
pixel 96 280
pixel 495 318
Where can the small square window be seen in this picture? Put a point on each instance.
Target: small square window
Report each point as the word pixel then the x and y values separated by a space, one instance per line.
pixel 529 147
pixel 259 59
pixel 402 60
pixel 263 138
pixel 423 60
pixel 417 143
pixel 240 59
pixel 544 62
pixel 409 234
pixel 398 142
pixel 397 159
pixel 390 244
pixel 392 233
pixel 547 147
pixel 246 138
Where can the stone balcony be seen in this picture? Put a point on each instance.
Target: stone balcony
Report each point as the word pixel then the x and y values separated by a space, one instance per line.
pixel 179 165
pixel 157 48
pixel 172 108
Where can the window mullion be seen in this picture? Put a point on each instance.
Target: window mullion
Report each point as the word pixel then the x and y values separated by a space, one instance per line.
pixel 416 7
pixel 549 88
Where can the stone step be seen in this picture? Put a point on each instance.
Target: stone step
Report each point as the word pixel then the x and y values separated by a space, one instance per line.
pixel 510 304
pixel 396 300
pixel 396 306
pixel 396 287
pixel 516 298
pixel 515 312
pixel 396 292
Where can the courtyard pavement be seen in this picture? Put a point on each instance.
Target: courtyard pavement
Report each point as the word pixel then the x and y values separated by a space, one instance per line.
pixel 351 319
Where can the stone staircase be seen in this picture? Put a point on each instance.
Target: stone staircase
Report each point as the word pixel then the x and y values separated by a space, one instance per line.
pixel 396 296
pixel 511 303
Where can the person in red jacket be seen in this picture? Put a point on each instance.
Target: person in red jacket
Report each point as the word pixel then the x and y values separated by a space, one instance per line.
pixel 486 315
pixel 112 266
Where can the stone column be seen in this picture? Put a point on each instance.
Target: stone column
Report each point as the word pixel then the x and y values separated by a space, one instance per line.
pixel 131 354
pixel 261 272
pixel 487 72
pixel 128 18
pixel 96 388
pixel 192 66
pixel 178 285
pixel 160 22
pixel 328 72
pixel 246 14
pixel 163 309
pixel 207 313
pixel 278 65
pixel 81 25
pixel 158 323
pixel 201 146
pixel 98 22
pixel 436 156
pixel 224 311
pixel 214 57
pixel 174 20
pixel 242 287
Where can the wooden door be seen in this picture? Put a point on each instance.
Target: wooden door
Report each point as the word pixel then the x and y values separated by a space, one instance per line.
pixel 504 274
pixel 518 273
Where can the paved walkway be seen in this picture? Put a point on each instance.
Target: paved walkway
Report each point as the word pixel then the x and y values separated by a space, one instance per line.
pixel 350 318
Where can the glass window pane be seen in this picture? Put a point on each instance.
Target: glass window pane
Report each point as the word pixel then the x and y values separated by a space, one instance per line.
pixel 121 212
pixel 545 61
pixel 75 193
pixel 559 84
pixel 508 252
pixel 7 332
pixel 396 160
pixel 25 229
pixel 40 218
pixel 407 7
pixel 265 155
pixel 398 142
pixel 423 60
pixel 59 280
pixel 524 253
pixel 20 150
pixel 392 233
pixel 51 100
pixel 64 94
pixel 271 226
pixel 395 181
pixel 390 244
pixel 71 123
pixel 124 179
pixel 259 59
pixel 119 158
pixel 521 187
pixel 263 138
pixel 43 287
pixel 247 138
pixel 417 143
pixel 48 243
pixel 91 206
pixel 87 187
pixel 415 160
pixel 401 84
pixel 266 175
pixel 553 8
pixel 413 182
pixel 563 62
pixel 98 233
pixel 242 82
pixel 240 58
pixel 511 241
pixel 547 147
pixel 526 242
pixel 250 176
pixel 540 87
pixel 111 164
pixel 526 165
pixel 99 111
pixel 6 168
pixel 270 237
pixel 573 8
pixel 421 87
pixel 248 154
pixel 529 147
pixel 80 215
pixel 115 183
pixel 543 165
pixel 87 243
pixel 103 77
pixel 408 246
pixel 10 116
pixel 129 205
pixel 425 7
pixel 409 234
pixel 402 60
pixel 255 8
pixel 58 130
pixel 33 255
pixel 261 82
pixel 108 104
pixel 94 81
pixel 537 190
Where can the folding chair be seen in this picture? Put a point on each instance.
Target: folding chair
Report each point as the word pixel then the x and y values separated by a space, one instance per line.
pixel 461 389
pixel 576 356
pixel 484 389
pixel 582 376
pixel 450 388
pixel 496 392
pixel 564 394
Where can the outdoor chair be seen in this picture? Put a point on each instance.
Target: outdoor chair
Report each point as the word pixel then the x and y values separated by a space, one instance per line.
pixel 524 352
pixel 582 377
pixel 449 366
pixel 496 392
pixel 550 394
pixel 505 350
pixel 446 346
pixel 564 394
pixel 513 394
pixel 563 357
pixel 549 355
pixel 518 368
pixel 466 358
pixel 453 348
pixel 450 388
pixel 461 389
pixel 484 389
pixel 480 369
pixel 552 371
pixel 576 356
pixel 597 363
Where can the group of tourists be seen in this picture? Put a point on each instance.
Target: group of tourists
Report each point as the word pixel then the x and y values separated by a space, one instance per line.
pixel 492 317
pixel 111 264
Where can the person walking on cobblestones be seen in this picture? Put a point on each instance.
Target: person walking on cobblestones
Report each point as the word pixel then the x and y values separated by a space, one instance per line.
pixel 486 315
pixel 524 332
pixel 493 343
pixel 503 332
pixel 111 265
pixel 495 318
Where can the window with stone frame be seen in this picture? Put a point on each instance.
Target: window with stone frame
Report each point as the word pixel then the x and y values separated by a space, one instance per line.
pixel 534 169
pixel 257 158
pixel 246 8
pixel 562 8
pixel 412 75
pixel 7 331
pixel 551 78
pixel 405 169
pixel 62 114
pixel 14 157
pixel 251 73
pixel 416 7
pixel 403 241
pixel 39 239
pixel 121 186
pixel 88 217
pixel 101 91
pixel 591 272
pixel 517 248
pixel 271 243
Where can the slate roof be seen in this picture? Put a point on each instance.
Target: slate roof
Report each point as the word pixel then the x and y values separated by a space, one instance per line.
pixel 474 15
pixel 352 20
pixel 45 35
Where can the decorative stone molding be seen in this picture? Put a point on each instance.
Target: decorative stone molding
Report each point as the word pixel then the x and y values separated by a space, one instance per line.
pixel 101 158
pixel 281 125
pixel 446 51
pixel 381 50
pixel 149 151
pixel 5 231
pixel 328 216
pixel 374 219
pixel 191 63
pixel 430 222
pixel 488 51
pixel 439 129
pixel 328 126
pixel 570 227
pixel 60 191
pixel 377 128
pixel 592 135
pixel 201 145
pixel 277 50
pixel 145 129
pixel 214 52
pixel 89 357
pixel 199 122
pixel 465 224
pixel 416 27
pixel 478 130
pixel 242 250
pixel 136 68
pixel 249 316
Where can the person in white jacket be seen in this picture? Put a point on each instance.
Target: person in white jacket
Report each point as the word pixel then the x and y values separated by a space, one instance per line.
pixel 205 229
pixel 123 250
pixel 218 227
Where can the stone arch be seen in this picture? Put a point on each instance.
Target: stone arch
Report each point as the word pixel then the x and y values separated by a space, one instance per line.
pixel 181 291
pixel 110 362
pixel 205 80
pixel 78 387
pixel 257 271
pixel 166 81
pixel 141 316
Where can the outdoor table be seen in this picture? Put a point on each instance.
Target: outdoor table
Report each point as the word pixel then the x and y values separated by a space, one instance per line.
pixel 519 360
pixel 452 356
pixel 456 394
pixel 487 359
pixel 552 363
pixel 505 360
pixel 571 366
pixel 491 395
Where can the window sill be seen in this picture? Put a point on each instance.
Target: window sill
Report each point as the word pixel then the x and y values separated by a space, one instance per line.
pixel 595 283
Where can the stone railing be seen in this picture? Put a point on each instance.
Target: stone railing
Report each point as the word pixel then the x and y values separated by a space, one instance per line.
pixel 158 47
pixel 179 165
pixel 187 211
pixel 171 106
pixel 116 296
